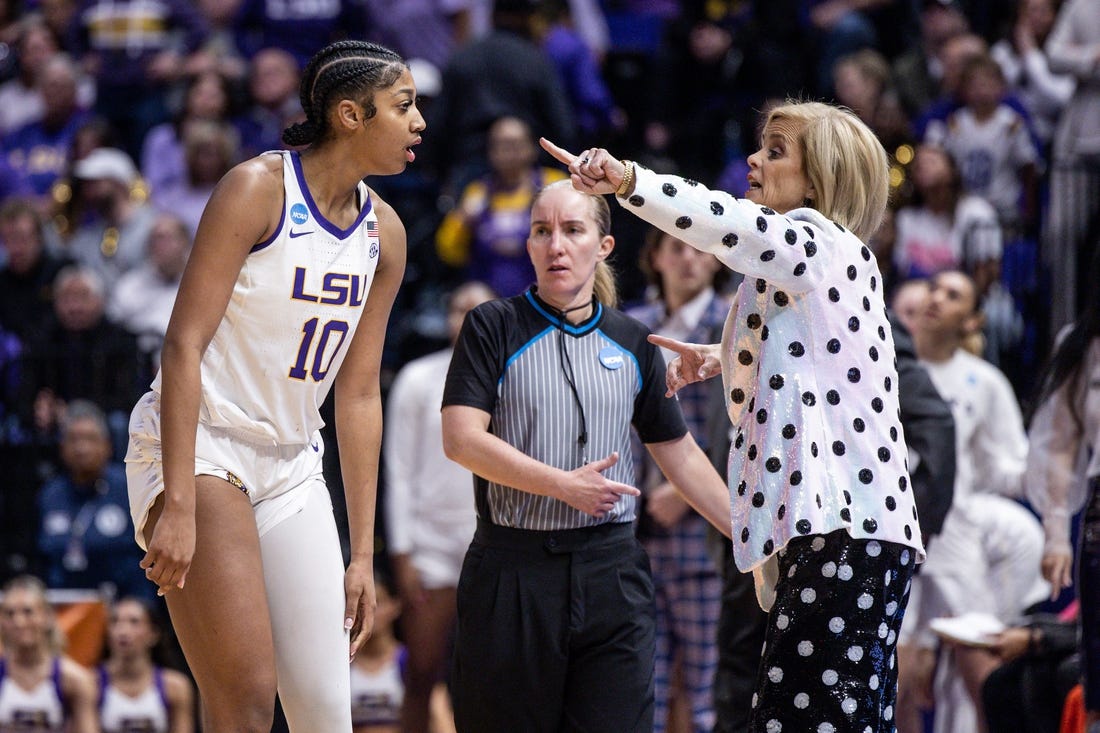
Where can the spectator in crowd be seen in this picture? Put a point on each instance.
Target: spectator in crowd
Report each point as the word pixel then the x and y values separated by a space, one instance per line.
pixel 992 146
pixel 111 236
pixel 486 233
pixel 69 208
pixel 135 50
pixel 863 84
pixel 1073 224
pixel 79 354
pixel 29 270
pixel 20 97
pixel 839 28
pixel 596 111
pixel 163 160
pixel 40 688
pixel 689 306
pixel 219 52
pixel 136 692
pixel 500 74
pixel 954 55
pixel 998 160
pixel 210 149
pixel 26 303
pixel 1026 66
pixel 919 71
pixel 1038 666
pixel 430 514
pixel 944 228
pixel 273 81
pixel 693 90
pixel 142 300
pixel 985 559
pixel 909 301
pixel 40 150
pixel 1064 468
pixel 85 534
pixel 429 30
pixel 300 28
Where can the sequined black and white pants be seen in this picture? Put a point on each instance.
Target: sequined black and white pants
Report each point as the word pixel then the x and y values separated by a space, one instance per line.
pixel 828 664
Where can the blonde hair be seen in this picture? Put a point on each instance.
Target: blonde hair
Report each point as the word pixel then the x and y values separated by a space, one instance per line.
pixel 55 639
pixel 604 288
pixel 845 162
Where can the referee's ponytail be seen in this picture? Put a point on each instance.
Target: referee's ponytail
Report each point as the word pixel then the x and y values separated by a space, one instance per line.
pixel 605 289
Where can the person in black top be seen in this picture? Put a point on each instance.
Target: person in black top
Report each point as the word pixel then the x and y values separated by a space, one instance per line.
pixel 555 601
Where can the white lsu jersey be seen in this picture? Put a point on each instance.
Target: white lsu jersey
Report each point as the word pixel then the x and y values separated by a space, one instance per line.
pixel 294 311
pixel 120 713
pixel 40 709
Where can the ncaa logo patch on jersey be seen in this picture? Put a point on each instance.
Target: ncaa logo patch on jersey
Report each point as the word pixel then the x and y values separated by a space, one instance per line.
pixel 299 214
pixel 611 358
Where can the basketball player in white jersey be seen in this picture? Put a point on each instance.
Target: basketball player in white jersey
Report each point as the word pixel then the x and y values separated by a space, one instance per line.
pixel 40 689
pixel 135 693
pixel 287 293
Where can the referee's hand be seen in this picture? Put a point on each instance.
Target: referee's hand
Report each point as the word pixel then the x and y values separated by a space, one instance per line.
pixel 587 489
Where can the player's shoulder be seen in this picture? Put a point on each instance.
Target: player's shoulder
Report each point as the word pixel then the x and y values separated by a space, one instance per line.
pixel 381 208
pixel 255 178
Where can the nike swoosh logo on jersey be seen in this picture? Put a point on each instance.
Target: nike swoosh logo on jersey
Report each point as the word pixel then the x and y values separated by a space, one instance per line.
pixel 295 235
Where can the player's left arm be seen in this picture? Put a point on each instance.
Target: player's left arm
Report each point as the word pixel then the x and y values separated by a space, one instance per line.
pixel 359 422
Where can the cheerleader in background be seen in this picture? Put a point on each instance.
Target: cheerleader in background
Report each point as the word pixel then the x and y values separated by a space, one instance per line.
pixel 135 693
pixel 40 688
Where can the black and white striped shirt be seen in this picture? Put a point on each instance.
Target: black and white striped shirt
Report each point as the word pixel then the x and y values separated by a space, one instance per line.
pixel 512 360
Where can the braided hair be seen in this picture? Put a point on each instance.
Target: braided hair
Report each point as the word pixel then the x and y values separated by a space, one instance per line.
pixel 338 71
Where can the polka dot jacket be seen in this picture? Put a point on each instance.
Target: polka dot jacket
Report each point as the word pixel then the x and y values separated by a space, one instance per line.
pixel 808 367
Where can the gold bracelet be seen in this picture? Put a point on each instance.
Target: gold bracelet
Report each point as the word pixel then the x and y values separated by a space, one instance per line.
pixel 628 179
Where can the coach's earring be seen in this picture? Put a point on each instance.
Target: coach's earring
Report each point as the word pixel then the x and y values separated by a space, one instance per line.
pixel 807 202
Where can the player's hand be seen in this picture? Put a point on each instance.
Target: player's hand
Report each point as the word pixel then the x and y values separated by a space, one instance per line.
pixel 693 362
pixel 590 491
pixel 360 602
pixel 171 547
pixel 593 171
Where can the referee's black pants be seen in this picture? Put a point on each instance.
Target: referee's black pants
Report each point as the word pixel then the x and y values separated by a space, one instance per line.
pixel 555 632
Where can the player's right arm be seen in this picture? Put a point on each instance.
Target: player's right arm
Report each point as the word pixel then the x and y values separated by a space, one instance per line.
pixel 244 209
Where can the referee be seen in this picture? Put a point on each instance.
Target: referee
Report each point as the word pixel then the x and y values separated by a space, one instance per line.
pixel 555 601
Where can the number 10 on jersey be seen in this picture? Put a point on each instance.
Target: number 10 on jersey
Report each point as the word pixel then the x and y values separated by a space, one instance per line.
pixel 324 346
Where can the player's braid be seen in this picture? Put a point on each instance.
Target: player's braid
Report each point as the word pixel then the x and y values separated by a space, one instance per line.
pixel 341 69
